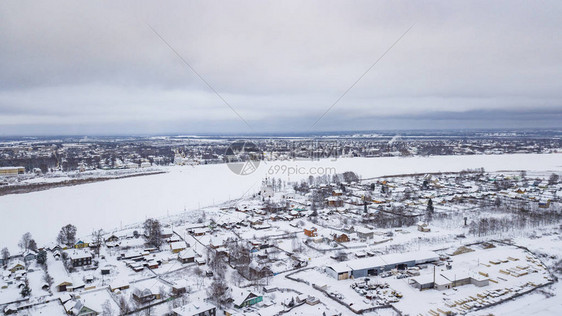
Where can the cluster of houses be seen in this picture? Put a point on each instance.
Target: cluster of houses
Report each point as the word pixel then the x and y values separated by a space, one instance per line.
pixel 296 213
pixel 411 194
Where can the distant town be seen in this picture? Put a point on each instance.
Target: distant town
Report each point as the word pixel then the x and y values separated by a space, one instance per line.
pixel 74 160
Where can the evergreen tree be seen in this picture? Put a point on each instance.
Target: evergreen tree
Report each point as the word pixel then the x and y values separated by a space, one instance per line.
pixel 25 291
pixel 430 206
pixel 42 257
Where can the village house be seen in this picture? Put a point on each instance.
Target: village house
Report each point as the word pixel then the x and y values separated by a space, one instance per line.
pixel 312 232
pixel 364 233
pixel 64 286
pixel 118 285
pixel 81 244
pixel 28 256
pixel 341 238
pixel 106 270
pixel 259 270
pixel 144 296
pixel 112 238
pixel 334 201
pixel 337 193
pixel 16 266
pixel 80 258
pixel 199 232
pixel 167 233
pixel 180 287
pixel 78 308
pixel 151 264
pixel 544 203
pixel 423 227
pixel 11 171
pixel 196 309
pixel 178 246
pixel 187 256
pixel 245 298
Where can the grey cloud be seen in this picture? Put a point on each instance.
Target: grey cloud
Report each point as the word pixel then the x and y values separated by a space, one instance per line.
pixel 69 66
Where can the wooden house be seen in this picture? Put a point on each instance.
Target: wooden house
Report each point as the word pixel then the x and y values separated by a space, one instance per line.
pixel 81 244
pixel 246 298
pixel 80 258
pixel 62 287
pixel 112 238
pixel 16 266
pixel 187 256
pixel 312 232
pixel 178 246
pixel 145 296
pixel 341 238
pixel 335 201
pixel 180 287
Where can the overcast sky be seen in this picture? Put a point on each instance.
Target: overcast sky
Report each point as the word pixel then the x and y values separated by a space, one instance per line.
pixel 76 67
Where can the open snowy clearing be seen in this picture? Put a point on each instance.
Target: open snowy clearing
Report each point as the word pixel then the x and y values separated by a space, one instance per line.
pixel 109 203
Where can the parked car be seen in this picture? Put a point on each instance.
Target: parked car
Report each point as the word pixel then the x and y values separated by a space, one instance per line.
pixel 386 274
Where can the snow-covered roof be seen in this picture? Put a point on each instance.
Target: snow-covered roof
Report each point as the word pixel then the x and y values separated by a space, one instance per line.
pixel 390 259
pixel 193 309
pixel 181 283
pixel 178 245
pixel 15 263
pixel 240 296
pixel 188 253
pixel 119 284
pixel 11 168
pixel 362 230
pixel 79 254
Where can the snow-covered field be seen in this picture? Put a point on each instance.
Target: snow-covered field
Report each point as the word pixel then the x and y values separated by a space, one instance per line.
pixel 111 203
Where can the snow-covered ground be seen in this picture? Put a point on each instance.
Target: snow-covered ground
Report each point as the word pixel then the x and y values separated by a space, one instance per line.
pixel 109 203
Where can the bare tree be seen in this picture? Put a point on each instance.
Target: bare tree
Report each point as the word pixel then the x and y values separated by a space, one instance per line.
pixel 341 256
pixel 67 235
pixel 350 176
pixel 163 293
pixel 553 179
pixel 216 262
pixel 239 254
pixel 237 278
pixel 5 255
pixel 153 232
pixel 199 274
pixel 219 292
pixel 123 305
pixel 297 245
pixel 26 290
pixel 98 239
pixel 106 308
pixel 24 241
pixel 47 278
